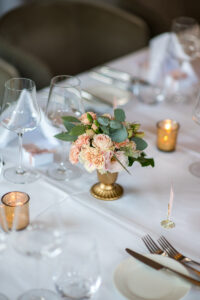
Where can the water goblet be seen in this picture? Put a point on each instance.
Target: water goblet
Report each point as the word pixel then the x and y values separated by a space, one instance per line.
pixel 64 100
pixel 183 48
pixel 79 274
pixel 20 113
pixel 41 240
pixel 194 168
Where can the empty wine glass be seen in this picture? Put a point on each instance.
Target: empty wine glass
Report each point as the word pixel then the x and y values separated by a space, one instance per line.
pixel 20 113
pixel 79 275
pixel 42 239
pixel 194 168
pixel 183 48
pixel 64 100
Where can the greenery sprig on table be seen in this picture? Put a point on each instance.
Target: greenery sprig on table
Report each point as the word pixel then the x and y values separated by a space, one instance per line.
pixel 104 142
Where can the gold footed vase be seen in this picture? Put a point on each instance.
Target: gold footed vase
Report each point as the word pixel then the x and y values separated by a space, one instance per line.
pixel 106 189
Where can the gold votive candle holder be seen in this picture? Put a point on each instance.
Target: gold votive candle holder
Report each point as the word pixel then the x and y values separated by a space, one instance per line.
pixel 16 208
pixel 167 131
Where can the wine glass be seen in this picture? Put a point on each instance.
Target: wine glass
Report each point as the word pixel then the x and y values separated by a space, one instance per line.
pixel 64 100
pixel 41 240
pixel 194 168
pixel 79 275
pixel 183 48
pixel 20 113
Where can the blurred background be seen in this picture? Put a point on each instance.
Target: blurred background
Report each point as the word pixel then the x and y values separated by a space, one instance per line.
pixel 40 39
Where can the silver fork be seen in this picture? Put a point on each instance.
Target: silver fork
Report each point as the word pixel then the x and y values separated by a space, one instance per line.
pixel 170 250
pixel 152 246
pixel 177 255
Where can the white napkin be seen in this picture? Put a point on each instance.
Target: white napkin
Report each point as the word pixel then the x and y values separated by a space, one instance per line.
pixel 45 128
pixel 161 65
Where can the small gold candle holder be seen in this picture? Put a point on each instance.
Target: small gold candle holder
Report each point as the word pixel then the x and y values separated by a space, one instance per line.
pixel 16 208
pixel 167 131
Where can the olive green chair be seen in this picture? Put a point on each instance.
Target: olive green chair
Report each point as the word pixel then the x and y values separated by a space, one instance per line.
pixel 7 71
pixel 46 38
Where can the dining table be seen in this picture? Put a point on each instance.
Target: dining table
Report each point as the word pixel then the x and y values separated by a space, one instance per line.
pixel 122 223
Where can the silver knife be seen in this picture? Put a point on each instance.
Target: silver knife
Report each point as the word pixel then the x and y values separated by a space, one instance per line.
pixel 158 266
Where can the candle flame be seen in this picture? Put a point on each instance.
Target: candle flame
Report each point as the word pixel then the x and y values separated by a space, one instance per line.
pixel 165 138
pixel 168 126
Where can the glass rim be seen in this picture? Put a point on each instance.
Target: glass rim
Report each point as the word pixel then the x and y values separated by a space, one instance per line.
pixel 19 78
pixel 28 198
pixel 65 77
pixel 179 21
pixel 173 121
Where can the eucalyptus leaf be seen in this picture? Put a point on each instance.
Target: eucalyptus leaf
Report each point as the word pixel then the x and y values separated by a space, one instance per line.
pixel 119 115
pixel 64 136
pixel 89 117
pixel 105 129
pixel 77 130
pixel 71 119
pixel 119 135
pixel 115 124
pixel 68 125
pixel 140 143
pixel 103 121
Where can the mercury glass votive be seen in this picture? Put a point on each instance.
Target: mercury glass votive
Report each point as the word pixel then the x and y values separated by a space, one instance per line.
pixel 167 131
pixel 16 207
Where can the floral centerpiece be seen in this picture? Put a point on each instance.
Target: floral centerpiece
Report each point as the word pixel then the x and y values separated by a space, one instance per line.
pixel 105 143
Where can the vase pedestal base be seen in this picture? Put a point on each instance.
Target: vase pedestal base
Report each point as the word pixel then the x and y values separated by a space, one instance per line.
pixel 106 192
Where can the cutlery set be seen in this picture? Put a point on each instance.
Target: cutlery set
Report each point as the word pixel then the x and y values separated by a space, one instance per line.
pixel 166 249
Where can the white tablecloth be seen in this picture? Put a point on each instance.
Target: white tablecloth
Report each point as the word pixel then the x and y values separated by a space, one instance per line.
pixel 122 223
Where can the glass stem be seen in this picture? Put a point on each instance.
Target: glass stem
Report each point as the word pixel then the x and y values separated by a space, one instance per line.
pixel 20 170
pixel 62 158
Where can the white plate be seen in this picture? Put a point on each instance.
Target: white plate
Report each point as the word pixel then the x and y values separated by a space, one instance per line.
pixel 137 281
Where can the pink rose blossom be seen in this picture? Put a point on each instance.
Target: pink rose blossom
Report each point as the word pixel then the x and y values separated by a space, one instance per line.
pixel 114 165
pixel 74 154
pixel 82 140
pixel 102 141
pixel 108 157
pixel 92 158
pixel 122 144
pixel 94 127
pixel 107 116
pixel 85 120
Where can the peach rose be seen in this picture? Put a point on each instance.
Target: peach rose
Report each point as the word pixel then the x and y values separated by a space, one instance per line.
pixel 102 141
pixel 92 158
pixel 94 127
pixel 114 165
pixel 126 143
pixel 82 140
pixel 107 116
pixel 84 118
pixel 74 154
pixel 122 144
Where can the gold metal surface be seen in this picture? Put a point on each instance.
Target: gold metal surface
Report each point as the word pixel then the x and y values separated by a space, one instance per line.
pixel 167 224
pixel 167 131
pixel 106 189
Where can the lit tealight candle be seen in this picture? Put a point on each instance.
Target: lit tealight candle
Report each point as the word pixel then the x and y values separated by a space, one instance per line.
pixel 16 207
pixel 167 135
